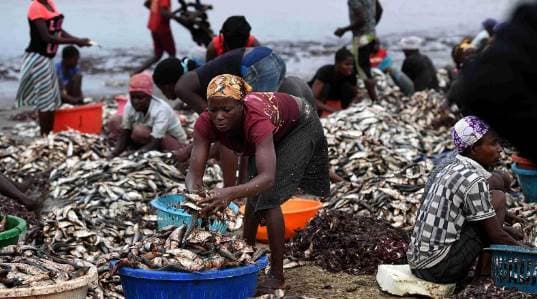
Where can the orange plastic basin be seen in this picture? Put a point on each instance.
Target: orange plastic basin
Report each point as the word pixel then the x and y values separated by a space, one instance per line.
pixel 296 213
pixel 85 119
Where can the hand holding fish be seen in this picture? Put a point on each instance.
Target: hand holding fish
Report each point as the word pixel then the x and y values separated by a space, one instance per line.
pixel 218 199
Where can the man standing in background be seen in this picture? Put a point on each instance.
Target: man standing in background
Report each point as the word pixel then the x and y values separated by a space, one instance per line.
pixel 159 25
pixel 364 16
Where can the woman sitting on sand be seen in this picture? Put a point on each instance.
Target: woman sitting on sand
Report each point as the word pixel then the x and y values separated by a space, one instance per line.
pixel 39 85
pixel 463 208
pixel 283 150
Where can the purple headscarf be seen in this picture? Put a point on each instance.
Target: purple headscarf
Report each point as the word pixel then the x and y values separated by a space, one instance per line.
pixel 468 131
pixel 489 24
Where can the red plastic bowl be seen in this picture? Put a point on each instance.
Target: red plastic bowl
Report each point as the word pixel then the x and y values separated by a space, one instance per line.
pixel 296 213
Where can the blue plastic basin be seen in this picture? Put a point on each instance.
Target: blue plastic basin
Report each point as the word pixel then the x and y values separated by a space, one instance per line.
pixel 528 181
pixel 167 214
pixel 233 283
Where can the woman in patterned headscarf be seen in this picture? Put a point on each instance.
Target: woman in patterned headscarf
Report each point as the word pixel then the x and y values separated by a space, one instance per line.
pixel 462 210
pixel 283 150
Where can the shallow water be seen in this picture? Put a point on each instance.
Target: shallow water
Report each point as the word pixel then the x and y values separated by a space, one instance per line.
pixel 300 28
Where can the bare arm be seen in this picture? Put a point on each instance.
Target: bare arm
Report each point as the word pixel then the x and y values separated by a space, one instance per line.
pixel 187 90
pixel 495 233
pixel 211 53
pixel 153 145
pixel 359 23
pixel 122 142
pixel 317 89
pixel 8 188
pixel 64 39
pixel 198 160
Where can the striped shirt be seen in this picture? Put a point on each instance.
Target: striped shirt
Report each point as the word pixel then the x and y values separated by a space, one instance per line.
pixel 459 192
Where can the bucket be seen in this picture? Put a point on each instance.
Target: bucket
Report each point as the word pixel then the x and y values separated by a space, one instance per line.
pixel 527 178
pixel 15 227
pixel 232 283
pixel 168 214
pixel 296 213
pixel 85 119
pixel 121 102
pixel 71 289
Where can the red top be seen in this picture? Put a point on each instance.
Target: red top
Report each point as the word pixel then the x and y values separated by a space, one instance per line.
pixel 264 113
pixel 376 58
pixel 218 43
pixel 156 21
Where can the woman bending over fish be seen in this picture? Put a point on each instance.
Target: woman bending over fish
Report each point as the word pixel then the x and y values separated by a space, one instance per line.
pixel 283 149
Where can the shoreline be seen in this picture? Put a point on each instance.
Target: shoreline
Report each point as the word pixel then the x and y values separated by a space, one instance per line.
pixel 106 74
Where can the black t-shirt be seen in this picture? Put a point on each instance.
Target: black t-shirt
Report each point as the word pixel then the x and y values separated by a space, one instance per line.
pixel 420 69
pixel 336 87
pixel 229 63
pixel 53 20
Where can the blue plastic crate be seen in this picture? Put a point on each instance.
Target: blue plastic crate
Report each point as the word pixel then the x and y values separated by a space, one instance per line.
pixel 528 181
pixel 167 214
pixel 514 267
pixel 233 283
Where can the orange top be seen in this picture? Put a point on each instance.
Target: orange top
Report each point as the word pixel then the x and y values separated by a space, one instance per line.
pixel 218 43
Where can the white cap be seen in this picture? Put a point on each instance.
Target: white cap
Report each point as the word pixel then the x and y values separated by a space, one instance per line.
pixel 411 43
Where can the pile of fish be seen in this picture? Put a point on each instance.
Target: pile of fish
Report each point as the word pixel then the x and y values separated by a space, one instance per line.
pixel 188 250
pixel 383 150
pixel 44 154
pixel 26 266
pixel 341 241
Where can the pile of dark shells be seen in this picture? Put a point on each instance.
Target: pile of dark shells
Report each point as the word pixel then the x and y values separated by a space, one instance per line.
pixel 342 241
pixel 487 289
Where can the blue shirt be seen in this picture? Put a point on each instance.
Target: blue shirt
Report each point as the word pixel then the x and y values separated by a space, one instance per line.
pixel 66 78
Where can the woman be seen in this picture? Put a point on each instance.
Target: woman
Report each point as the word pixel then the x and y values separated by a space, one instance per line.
pixel 334 85
pixel 235 33
pixel 283 150
pixel 39 83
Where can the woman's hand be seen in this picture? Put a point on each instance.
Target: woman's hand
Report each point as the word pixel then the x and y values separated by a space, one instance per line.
pixel 218 199
pixel 83 42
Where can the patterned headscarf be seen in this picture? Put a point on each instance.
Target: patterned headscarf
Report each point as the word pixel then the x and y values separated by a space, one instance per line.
pixel 228 86
pixel 141 82
pixel 468 131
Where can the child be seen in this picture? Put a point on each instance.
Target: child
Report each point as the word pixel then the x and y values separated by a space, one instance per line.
pixel 69 76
